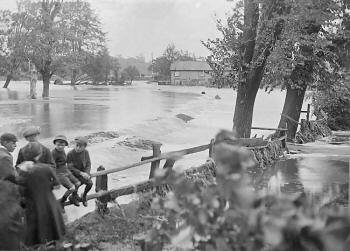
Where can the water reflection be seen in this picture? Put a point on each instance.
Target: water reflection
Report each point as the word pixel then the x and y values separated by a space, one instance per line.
pixel 319 177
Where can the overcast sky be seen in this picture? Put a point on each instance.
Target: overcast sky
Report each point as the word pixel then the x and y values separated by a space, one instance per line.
pixel 137 27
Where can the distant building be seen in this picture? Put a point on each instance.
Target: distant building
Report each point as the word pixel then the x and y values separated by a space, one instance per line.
pixel 190 73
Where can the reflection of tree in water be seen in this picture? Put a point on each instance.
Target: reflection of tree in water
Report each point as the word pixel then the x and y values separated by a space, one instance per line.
pixel 7 94
pixel 282 177
pixel 290 178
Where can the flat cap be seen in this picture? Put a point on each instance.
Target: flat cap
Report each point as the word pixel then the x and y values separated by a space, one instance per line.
pixel 61 138
pixel 33 130
pixel 81 140
pixel 8 137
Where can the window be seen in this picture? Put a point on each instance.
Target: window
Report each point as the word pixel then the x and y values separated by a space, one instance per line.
pixel 176 74
pixel 201 74
pixel 206 72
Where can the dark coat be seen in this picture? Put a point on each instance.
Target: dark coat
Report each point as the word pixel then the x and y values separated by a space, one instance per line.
pixel 10 217
pixel 6 164
pixel 43 212
pixel 46 157
pixel 79 162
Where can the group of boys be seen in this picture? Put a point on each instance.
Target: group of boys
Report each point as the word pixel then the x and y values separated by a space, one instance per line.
pixel 72 169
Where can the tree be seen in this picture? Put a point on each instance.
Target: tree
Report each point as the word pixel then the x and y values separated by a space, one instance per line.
pixel 98 67
pixel 59 35
pixel 261 32
pixel 13 43
pixel 333 97
pixel 161 65
pixel 130 73
pixel 44 37
pixel 83 36
pixel 303 58
pixel 248 41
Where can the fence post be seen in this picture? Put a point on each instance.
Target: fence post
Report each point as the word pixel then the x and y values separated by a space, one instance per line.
pixel 155 164
pixel 211 147
pixel 102 185
pixel 308 112
pixel 285 134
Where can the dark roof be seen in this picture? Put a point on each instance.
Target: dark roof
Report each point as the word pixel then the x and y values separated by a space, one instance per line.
pixel 190 66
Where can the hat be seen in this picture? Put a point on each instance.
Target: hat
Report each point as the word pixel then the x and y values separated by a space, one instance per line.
pixel 34 130
pixel 61 138
pixel 31 150
pixel 81 140
pixel 8 137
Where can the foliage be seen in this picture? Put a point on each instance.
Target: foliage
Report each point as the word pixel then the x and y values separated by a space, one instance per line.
pixel 290 56
pixel 225 53
pixel 130 73
pixel 333 97
pixel 335 102
pixel 56 36
pixel 228 215
pixel 161 65
pixel 83 36
pixel 98 67
pixel 13 44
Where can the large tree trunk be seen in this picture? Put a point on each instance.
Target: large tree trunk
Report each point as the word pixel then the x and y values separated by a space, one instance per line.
pixel 246 94
pixel 46 84
pixel 256 50
pixel 292 108
pixel 8 80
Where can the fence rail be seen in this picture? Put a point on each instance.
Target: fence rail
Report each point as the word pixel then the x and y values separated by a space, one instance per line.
pixel 171 157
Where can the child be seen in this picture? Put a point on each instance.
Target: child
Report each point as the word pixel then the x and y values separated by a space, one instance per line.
pixel 44 221
pixel 65 177
pixel 79 164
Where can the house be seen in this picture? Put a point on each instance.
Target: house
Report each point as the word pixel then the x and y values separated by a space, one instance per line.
pixel 190 73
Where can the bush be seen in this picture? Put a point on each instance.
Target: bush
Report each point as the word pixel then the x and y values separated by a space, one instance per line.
pixel 227 215
pixel 336 103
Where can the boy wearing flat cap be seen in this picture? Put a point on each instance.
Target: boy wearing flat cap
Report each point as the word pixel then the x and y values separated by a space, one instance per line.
pixel 78 161
pixel 65 177
pixel 31 135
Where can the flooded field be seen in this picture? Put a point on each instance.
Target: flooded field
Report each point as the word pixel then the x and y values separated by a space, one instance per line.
pixel 149 111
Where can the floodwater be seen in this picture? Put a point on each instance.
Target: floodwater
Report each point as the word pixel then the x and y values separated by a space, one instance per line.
pixel 149 111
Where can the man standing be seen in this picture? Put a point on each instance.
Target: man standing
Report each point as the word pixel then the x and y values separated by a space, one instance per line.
pixel 31 135
pixel 7 146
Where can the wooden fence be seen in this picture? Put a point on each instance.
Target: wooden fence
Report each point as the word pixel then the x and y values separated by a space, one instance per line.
pixel 170 157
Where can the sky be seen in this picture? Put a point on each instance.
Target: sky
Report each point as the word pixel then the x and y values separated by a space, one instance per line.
pixel 146 27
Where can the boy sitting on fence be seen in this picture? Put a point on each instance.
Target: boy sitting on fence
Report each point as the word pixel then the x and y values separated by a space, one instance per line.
pixel 79 164
pixel 65 177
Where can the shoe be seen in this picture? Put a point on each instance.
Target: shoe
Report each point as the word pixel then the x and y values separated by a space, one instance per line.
pixel 84 201
pixel 74 200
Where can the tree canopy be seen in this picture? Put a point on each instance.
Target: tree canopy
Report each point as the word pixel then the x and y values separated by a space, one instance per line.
pixel 54 35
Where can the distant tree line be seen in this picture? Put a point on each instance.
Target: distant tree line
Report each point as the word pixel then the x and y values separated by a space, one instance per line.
pixel 62 38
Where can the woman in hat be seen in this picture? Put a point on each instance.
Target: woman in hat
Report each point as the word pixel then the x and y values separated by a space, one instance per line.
pixel 44 222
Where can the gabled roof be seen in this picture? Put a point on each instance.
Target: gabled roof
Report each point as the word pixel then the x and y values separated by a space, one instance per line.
pixel 190 66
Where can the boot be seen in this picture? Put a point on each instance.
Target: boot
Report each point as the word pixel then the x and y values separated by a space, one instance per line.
pixel 74 199
pixel 84 201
